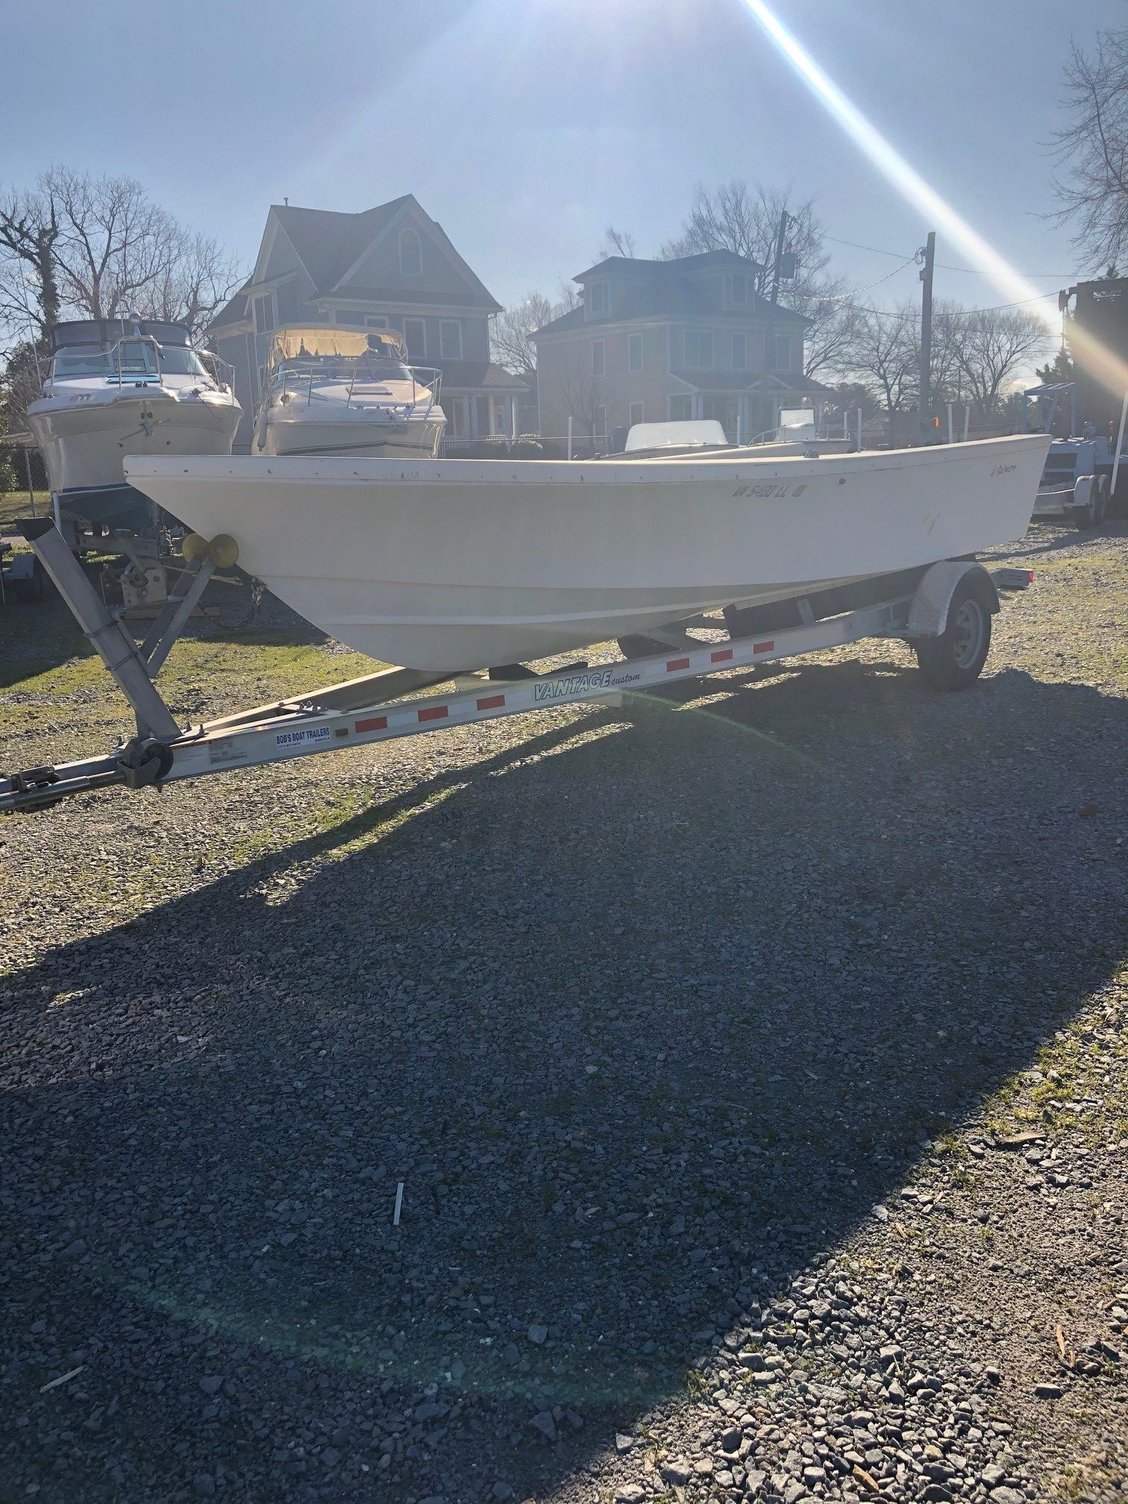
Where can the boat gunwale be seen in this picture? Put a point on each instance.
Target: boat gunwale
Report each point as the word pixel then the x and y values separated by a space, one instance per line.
pixel 342 469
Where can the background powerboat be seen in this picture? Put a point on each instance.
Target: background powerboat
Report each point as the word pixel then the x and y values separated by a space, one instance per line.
pixel 125 386
pixel 328 390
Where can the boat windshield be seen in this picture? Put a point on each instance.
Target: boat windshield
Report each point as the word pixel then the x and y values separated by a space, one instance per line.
pixel 82 363
pixel 367 367
pixel 178 361
pixel 131 357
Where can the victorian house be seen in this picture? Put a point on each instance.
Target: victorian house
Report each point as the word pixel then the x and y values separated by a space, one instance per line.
pixel 391 267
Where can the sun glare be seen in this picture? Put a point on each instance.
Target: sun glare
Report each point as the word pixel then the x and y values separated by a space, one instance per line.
pixel 937 212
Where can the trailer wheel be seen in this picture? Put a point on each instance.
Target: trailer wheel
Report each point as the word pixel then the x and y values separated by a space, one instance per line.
pixel 1100 503
pixel 1094 504
pixel 955 659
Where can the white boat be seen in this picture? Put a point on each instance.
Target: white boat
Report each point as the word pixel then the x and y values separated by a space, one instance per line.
pixel 328 390
pixel 125 386
pixel 465 564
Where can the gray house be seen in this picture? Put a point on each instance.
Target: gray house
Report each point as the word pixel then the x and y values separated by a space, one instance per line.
pixel 658 340
pixel 391 267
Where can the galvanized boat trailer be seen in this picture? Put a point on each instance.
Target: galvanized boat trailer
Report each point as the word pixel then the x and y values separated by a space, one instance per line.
pixel 944 610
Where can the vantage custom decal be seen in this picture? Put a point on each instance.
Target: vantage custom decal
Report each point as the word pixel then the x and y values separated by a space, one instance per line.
pixel 770 488
pixel 576 684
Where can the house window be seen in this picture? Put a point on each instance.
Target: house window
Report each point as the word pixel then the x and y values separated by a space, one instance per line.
pixel 699 349
pixel 266 317
pixel 598 358
pixel 636 413
pixel 739 351
pixel 738 290
pixel 352 318
pixel 781 352
pixel 681 407
pixel 415 337
pixel 634 352
pixel 411 253
pixel 450 339
pixel 600 300
pixel 601 421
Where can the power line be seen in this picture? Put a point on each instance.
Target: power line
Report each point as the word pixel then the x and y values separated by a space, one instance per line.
pixel 973 271
pixel 963 313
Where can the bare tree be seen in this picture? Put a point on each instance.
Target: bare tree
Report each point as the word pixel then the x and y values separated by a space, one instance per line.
pixel 745 219
pixel 29 290
pixel 115 245
pixel 511 337
pixel 198 280
pixel 990 345
pixel 829 337
pixel 616 243
pixel 885 357
pixel 100 248
pixel 1094 150
pixel 513 328
pixel 580 390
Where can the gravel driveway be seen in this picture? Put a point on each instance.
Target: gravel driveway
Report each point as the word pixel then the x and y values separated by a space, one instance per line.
pixel 753 1064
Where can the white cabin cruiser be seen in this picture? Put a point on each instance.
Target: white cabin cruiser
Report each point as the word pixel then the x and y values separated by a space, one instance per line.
pixel 125 386
pixel 329 390
pixel 464 564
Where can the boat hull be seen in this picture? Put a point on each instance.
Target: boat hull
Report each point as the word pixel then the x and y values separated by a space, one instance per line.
pixel 84 443
pixel 418 438
pixel 458 564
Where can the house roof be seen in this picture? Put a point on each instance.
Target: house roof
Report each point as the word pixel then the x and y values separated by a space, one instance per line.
pixel 460 374
pixel 743 381
pixel 395 295
pixel 329 243
pixel 791 382
pixel 234 311
pixel 702 261
pixel 573 319
pixel 671 296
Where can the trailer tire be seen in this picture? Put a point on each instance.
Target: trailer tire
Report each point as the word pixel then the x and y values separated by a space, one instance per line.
pixel 1100 503
pixel 955 659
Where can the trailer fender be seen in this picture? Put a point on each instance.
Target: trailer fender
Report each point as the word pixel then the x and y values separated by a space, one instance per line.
pixel 928 614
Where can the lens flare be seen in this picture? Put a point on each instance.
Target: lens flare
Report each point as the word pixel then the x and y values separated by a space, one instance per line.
pixel 1098 361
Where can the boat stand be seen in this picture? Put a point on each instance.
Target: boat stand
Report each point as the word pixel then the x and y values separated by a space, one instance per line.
pixel 386 705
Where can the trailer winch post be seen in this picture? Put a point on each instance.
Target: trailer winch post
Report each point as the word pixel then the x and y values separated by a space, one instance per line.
pixel 113 642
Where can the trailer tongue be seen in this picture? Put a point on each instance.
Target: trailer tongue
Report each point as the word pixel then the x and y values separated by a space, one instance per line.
pixel 943 609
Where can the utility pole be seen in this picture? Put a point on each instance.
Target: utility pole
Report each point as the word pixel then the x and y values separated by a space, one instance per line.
pixel 784 221
pixel 925 402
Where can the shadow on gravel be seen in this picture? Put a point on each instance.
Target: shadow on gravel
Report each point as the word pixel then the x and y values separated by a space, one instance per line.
pixel 1041 539
pixel 34 638
pixel 644 1024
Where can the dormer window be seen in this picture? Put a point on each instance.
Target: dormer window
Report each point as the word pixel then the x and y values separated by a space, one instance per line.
pixel 599 300
pixel 411 253
pixel 740 290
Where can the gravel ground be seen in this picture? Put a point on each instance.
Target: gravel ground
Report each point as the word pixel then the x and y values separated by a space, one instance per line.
pixel 753 1063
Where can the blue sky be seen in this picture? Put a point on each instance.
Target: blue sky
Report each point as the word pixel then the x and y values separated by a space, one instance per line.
pixel 526 126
